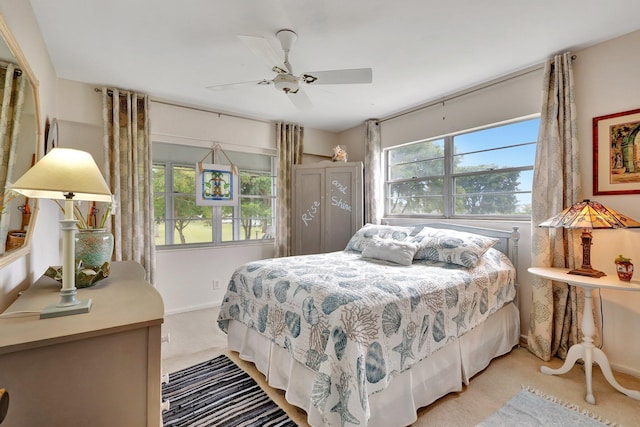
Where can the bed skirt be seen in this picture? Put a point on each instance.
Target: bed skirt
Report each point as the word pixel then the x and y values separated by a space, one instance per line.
pixel 443 372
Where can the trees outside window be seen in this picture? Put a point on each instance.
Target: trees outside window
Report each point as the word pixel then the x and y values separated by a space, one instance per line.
pixel 483 173
pixel 179 221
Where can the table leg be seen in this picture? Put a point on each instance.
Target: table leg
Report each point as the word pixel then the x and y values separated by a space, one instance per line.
pixel 589 353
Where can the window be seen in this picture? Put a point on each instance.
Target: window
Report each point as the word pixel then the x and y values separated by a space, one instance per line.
pixel 179 221
pixel 483 173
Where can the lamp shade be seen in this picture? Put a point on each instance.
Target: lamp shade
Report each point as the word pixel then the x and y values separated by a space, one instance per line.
pixel 589 214
pixel 61 173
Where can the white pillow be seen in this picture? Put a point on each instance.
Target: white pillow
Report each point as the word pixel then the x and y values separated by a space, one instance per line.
pixel 398 251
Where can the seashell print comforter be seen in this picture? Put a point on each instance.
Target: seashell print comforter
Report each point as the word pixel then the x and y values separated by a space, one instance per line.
pixel 359 322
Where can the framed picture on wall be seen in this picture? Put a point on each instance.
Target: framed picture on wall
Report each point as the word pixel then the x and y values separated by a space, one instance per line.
pixel 616 153
pixel 216 185
pixel 51 136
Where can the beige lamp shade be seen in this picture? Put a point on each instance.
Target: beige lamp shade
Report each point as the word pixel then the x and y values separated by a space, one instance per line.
pixel 61 173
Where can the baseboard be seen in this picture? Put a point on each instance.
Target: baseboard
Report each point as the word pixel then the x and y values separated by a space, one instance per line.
pixel 192 308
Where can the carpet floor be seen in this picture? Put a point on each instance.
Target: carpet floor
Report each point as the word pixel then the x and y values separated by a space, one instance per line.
pixel 218 393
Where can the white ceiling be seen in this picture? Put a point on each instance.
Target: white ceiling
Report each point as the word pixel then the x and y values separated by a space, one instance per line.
pixel 420 50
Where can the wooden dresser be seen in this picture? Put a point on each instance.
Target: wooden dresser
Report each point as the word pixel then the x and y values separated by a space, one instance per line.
pixel 100 368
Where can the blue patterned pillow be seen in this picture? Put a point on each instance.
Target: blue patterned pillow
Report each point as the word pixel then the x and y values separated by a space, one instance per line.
pixel 397 251
pixel 455 247
pixel 361 239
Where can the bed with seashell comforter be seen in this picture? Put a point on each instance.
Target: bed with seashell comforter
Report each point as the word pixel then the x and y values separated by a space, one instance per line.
pixel 366 336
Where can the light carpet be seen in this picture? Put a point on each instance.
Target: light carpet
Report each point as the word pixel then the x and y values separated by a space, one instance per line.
pixel 218 393
pixel 532 408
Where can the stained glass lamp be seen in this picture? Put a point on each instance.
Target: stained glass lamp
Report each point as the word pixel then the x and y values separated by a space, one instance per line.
pixel 588 215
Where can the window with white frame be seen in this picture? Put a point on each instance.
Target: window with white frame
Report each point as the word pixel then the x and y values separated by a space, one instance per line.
pixel 179 221
pixel 482 173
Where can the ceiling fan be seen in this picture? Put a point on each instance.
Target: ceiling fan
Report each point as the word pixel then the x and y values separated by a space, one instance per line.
pixel 285 81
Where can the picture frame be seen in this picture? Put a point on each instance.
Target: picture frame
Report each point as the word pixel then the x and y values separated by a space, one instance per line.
pixel 616 153
pixel 51 136
pixel 216 185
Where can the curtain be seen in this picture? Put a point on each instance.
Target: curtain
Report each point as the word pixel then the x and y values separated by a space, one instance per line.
pixel 12 97
pixel 372 173
pixel 556 310
pixel 289 139
pixel 128 166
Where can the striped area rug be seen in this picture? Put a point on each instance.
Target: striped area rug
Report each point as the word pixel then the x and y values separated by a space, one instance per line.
pixel 219 393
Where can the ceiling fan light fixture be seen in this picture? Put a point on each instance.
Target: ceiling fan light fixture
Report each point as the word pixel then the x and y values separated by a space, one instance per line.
pixel 286 83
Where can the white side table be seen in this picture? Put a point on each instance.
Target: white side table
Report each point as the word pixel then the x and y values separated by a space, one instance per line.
pixel 586 350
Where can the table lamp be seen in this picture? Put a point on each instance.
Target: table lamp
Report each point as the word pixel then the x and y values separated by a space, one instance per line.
pixel 588 215
pixel 65 174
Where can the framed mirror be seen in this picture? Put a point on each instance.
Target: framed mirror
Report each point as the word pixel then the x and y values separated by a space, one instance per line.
pixel 19 136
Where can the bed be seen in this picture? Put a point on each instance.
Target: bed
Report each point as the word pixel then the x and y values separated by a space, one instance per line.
pixel 366 336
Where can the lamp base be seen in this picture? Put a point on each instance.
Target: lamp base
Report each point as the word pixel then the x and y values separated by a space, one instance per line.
pixel 590 272
pixel 59 310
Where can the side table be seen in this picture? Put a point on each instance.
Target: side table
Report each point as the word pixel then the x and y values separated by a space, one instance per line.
pixel 586 350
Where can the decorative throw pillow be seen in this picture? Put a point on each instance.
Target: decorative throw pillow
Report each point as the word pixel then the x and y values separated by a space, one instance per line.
pixel 398 251
pixel 363 236
pixel 455 247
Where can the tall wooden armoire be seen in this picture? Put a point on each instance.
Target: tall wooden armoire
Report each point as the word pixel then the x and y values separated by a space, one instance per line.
pixel 327 206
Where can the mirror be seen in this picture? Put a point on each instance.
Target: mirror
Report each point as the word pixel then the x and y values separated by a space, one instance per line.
pixel 19 136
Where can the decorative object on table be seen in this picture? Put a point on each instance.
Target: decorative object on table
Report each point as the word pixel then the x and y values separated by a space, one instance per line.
pixel 85 276
pixel 94 246
pixel 624 268
pixel 339 154
pixel 65 174
pixel 615 170
pixel 588 215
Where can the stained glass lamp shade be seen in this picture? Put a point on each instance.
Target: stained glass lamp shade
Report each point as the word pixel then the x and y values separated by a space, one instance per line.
pixel 588 215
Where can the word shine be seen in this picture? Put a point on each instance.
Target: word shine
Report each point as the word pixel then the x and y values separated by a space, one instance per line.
pixel 340 203
pixel 311 213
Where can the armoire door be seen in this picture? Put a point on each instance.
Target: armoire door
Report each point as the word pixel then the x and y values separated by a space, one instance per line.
pixel 327 206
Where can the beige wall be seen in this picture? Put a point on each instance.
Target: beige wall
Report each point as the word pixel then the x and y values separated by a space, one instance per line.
pixel 606 82
pixel 185 277
pixel 45 249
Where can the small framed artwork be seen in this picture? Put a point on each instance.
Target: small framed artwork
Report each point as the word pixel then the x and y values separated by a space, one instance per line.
pixel 51 136
pixel 616 153
pixel 216 185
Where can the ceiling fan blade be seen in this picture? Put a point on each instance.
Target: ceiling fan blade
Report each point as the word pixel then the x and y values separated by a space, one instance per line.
pixel 336 77
pixel 239 84
pixel 300 99
pixel 263 49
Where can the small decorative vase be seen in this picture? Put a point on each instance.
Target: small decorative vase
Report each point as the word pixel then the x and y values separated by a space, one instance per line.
pixel 94 247
pixel 624 268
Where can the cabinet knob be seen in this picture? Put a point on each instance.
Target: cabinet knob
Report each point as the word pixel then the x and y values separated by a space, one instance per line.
pixel 4 404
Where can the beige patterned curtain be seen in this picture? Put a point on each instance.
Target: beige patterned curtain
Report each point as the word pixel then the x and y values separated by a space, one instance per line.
pixel 12 96
pixel 373 194
pixel 128 165
pixel 289 139
pixel 557 308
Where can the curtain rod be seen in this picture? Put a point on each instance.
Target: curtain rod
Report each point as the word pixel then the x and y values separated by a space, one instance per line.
pixel 110 91
pixel 204 110
pixel 505 79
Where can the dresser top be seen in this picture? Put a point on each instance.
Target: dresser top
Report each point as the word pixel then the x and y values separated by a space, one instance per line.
pixel 123 301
